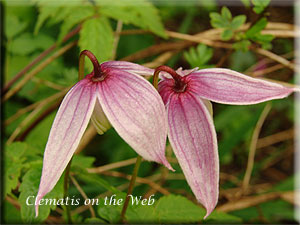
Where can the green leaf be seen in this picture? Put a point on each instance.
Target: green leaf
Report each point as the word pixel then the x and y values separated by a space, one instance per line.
pixel 13 25
pixel 78 14
pixel 26 43
pixel 28 190
pixel 257 28
pixel 94 179
pixel 110 208
pixel 199 56
pixel 45 12
pixel 226 14
pixel 143 15
pixel 97 36
pixel 246 3
pixel 227 34
pixel 94 220
pixel 260 5
pixel 82 161
pixel 13 164
pixel 178 209
pixel 242 45
pixel 217 21
pixel 238 21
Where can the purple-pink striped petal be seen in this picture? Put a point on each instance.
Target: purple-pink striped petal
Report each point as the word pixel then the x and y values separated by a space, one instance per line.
pixel 193 138
pixel 136 111
pixel 230 87
pixel 68 127
pixel 129 67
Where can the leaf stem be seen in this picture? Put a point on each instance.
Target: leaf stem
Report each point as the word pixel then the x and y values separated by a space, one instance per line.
pixel 131 185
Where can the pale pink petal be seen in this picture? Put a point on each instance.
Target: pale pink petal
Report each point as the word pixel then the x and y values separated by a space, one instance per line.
pixel 193 139
pixel 136 111
pixel 99 119
pixel 230 87
pixel 129 67
pixel 68 127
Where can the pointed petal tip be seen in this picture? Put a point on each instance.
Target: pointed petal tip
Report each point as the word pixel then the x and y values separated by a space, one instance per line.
pixel 165 162
pixel 208 212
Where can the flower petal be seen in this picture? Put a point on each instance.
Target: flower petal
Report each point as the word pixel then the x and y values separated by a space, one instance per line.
pixel 129 67
pixel 136 111
pixel 230 87
pixel 193 138
pixel 99 119
pixel 68 127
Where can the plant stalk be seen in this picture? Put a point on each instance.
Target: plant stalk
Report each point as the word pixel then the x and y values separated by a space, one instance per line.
pixel 131 186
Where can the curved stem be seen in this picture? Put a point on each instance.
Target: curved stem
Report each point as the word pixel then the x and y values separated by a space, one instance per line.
pixel 179 84
pixel 92 57
pixel 131 185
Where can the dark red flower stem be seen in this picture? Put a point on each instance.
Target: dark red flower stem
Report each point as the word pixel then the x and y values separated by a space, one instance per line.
pixel 179 83
pixel 97 68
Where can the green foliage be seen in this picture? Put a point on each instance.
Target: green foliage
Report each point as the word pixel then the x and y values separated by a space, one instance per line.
pixel 29 187
pixel 199 56
pixel 143 15
pixel 254 34
pixel 168 209
pixel 97 36
pixel 14 159
pixel 225 21
pixel 260 5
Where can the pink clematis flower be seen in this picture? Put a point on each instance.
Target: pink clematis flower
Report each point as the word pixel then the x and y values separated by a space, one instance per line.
pixel 114 93
pixel 187 95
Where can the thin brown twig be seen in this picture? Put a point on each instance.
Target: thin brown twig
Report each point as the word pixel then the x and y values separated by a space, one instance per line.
pixel 36 70
pixel 22 111
pixel 139 180
pixel 81 191
pixel 111 166
pixel 275 138
pixel 252 149
pixel 48 83
pixel 251 201
pixel 37 120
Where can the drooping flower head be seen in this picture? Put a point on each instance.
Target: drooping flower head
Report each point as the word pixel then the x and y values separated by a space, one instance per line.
pixel 114 93
pixel 187 95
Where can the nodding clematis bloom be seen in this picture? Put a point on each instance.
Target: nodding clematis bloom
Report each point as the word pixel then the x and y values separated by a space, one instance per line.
pixel 114 93
pixel 191 132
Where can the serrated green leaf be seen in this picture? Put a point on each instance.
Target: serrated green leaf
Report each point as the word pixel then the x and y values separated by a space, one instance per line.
pixel 13 164
pixel 28 188
pixel 97 36
pixel 199 56
pixel 217 20
pixel 260 5
pixel 238 21
pixel 227 34
pixel 226 14
pixel 45 12
pixel 13 25
pixel 143 15
pixel 77 15
pixel 257 28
